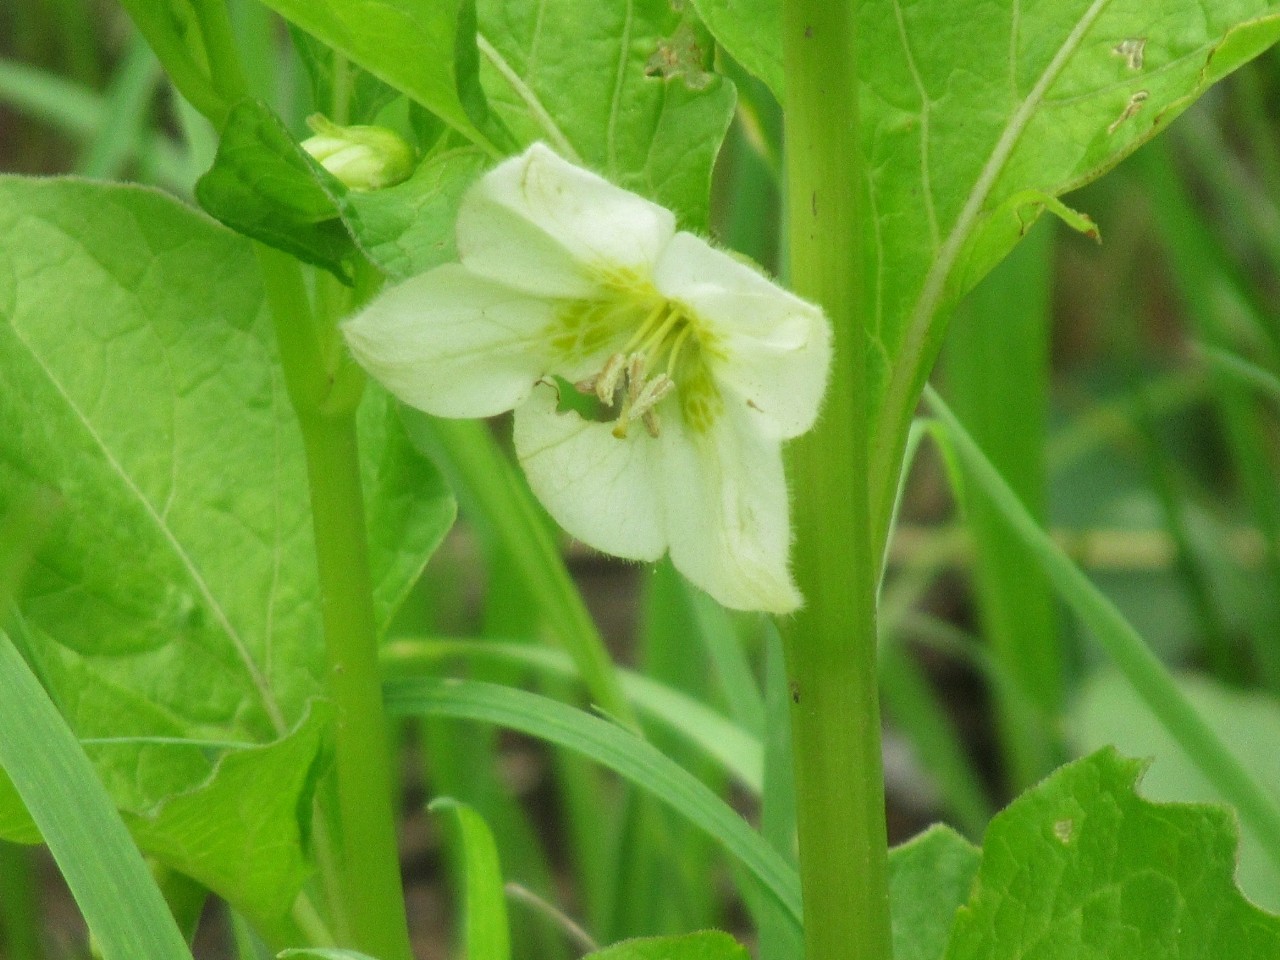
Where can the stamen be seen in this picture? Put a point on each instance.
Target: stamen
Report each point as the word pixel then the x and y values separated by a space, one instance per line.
pixel 662 334
pixel 643 330
pixel 607 383
pixel 676 347
pixel 637 366
pixel 653 393
pixel 642 397
pixel 654 343
pixel 652 423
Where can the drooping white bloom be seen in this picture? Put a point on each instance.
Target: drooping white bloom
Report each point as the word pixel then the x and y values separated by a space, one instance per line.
pixel 574 291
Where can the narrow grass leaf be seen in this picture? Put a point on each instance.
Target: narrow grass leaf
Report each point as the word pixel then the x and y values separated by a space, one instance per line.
pixel 997 374
pixel 485 909
pixel 123 129
pixel 121 904
pixel 732 668
pixel 612 747
pixel 735 750
pixel 778 937
pixel 79 112
pixel 1140 667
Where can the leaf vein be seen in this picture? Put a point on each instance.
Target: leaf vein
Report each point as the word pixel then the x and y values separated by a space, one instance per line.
pixel 530 98
pixel 197 577
pixel 615 107
pixel 926 184
pixel 902 379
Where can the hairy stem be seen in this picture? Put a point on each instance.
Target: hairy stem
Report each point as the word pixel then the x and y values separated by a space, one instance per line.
pixel 831 642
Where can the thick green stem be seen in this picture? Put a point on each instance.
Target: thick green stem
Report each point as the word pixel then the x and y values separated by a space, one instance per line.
pixel 370 863
pixel 831 642
pixel 373 899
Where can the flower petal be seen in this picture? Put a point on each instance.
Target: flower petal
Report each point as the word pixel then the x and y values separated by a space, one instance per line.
pixel 540 224
pixel 717 500
pixel 453 344
pixel 776 347
pixel 602 490
pixel 726 511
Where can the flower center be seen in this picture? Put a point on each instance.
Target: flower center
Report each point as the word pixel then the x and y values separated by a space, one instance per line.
pixel 643 373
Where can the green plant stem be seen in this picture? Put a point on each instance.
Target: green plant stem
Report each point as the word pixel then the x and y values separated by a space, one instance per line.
pixel 369 862
pixel 220 49
pixel 831 642
pixel 155 23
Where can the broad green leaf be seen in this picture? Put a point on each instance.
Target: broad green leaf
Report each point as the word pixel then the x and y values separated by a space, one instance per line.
pixel 264 185
pixel 929 880
pixel 485 910
pixel 115 892
pixel 704 945
pixel 751 31
pixel 624 88
pixel 177 596
pixel 426 50
pixel 1081 867
pixel 612 747
pixel 262 863
pixel 408 229
pixel 1108 712
pixel 975 116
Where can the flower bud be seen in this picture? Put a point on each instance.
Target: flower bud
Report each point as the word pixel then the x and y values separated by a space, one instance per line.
pixel 363 158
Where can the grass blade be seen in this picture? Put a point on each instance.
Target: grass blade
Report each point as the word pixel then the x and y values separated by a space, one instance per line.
pixel 487 936
pixel 1148 676
pixel 611 747
pixel 733 749
pixel 997 364
pixel 121 904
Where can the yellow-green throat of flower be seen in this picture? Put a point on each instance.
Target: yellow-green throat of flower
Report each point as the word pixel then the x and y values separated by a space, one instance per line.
pixel 665 354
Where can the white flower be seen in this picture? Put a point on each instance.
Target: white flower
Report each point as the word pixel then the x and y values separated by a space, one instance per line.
pixel 571 289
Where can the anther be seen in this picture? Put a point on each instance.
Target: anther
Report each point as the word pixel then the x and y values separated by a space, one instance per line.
pixel 652 423
pixel 642 397
pixel 607 384
pixel 652 394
